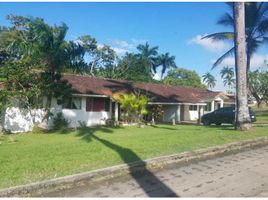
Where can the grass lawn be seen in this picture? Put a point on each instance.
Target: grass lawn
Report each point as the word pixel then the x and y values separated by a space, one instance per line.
pixel 262 115
pixel 26 158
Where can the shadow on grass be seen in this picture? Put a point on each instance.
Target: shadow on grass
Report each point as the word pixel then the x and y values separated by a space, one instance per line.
pixel 150 184
pixel 161 127
pixel 222 127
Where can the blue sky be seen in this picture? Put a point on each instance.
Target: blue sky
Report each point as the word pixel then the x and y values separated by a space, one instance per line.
pixel 175 27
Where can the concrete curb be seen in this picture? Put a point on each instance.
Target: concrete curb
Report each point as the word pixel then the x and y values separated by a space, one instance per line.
pixel 181 159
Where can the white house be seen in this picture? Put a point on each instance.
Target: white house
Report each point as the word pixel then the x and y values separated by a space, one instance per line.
pixel 92 103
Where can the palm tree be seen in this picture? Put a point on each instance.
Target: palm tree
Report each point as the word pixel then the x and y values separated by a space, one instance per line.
pixel 166 61
pixel 209 79
pixel 256 28
pixel 227 74
pixel 149 53
pixel 243 121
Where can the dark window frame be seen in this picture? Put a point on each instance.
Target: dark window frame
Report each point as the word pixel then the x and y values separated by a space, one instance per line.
pixel 209 105
pixel 97 104
pixel 69 103
pixel 193 108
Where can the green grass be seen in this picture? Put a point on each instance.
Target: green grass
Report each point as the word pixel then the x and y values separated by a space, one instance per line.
pixel 26 158
pixel 261 115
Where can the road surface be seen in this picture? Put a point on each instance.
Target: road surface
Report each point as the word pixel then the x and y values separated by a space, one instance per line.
pixel 240 175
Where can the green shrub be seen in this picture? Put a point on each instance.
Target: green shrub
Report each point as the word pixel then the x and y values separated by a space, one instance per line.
pixel 60 123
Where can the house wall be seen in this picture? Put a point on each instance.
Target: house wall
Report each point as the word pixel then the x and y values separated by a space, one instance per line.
pixel 228 105
pixel 21 120
pixel 171 112
pixel 75 116
pixel 190 114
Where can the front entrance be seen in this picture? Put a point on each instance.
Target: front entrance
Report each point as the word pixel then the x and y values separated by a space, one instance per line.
pixel 217 105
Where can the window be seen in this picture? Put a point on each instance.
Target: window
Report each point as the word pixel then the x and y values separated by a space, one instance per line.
pixel 208 107
pixel 107 105
pixel 72 103
pixel 95 104
pixel 193 107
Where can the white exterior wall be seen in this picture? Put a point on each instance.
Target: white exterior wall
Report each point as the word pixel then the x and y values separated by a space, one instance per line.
pixel 190 114
pixel 171 112
pixel 19 120
pixel 89 118
pixel 74 116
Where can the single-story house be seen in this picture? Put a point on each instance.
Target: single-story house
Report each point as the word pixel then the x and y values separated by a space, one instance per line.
pixel 92 103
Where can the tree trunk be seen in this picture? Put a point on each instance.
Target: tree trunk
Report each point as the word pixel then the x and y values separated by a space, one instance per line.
pixel 243 121
pixel 248 65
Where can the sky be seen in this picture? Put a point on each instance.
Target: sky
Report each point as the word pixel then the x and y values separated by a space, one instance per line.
pixel 175 27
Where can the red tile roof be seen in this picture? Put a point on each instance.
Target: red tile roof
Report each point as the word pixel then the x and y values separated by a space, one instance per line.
pixel 157 92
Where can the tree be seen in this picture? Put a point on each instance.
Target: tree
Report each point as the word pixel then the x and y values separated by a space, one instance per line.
pixel 243 121
pixel 145 52
pixel 134 68
pixel 256 28
pixel 166 62
pixel 183 77
pixel 258 86
pixel 227 74
pixel 209 80
pixel 39 46
pixel 87 57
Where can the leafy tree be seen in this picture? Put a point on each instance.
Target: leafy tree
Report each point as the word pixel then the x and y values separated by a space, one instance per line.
pixel 145 52
pixel 87 57
pixel 209 79
pixel 183 77
pixel 256 28
pixel 133 68
pixel 166 61
pixel 39 46
pixel 258 85
pixel 228 76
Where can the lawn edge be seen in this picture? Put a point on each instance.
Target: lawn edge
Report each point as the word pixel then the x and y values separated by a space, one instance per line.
pixel 180 159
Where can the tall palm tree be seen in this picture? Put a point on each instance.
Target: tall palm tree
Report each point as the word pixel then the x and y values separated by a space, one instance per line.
pixel 256 28
pixel 227 74
pixel 149 53
pixel 209 80
pixel 243 121
pixel 166 61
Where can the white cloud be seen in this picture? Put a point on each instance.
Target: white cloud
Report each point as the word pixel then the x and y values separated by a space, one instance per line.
pixel 157 76
pixel 100 45
pixel 122 46
pixel 119 51
pixel 257 61
pixel 209 44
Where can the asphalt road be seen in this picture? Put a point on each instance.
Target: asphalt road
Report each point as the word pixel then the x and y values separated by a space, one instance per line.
pixel 240 175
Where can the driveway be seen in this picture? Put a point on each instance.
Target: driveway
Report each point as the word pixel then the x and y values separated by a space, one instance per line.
pixel 240 175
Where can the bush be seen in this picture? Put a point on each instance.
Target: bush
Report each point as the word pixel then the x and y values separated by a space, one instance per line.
pixel 60 123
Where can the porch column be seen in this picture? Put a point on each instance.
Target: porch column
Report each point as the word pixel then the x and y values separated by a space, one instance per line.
pixel 111 109
pixel 116 111
pixel 221 103
pixel 200 113
pixel 212 106
pixel 178 113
